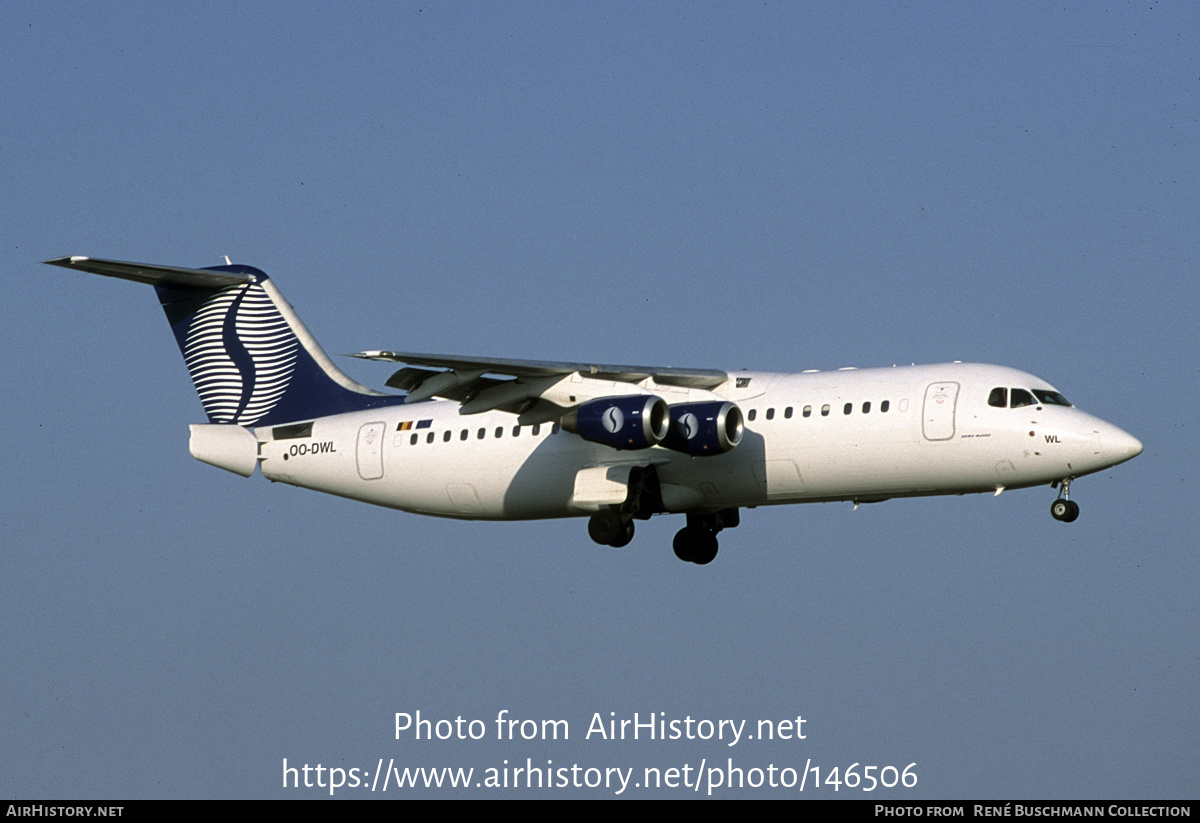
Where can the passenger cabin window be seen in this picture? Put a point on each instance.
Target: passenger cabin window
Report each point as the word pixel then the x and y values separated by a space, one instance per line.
pixel 885 405
pixel 846 409
pixel 807 411
pixel 825 410
pixel 446 436
pixel 867 407
pixel 787 413
pixel 770 414
pixel 753 414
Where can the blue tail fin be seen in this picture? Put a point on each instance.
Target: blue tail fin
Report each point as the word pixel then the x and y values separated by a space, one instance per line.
pixel 251 359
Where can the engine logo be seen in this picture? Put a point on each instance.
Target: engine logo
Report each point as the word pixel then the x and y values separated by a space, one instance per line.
pixel 613 419
pixel 689 425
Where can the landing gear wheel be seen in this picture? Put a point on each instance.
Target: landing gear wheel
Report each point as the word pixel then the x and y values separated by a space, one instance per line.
pixel 705 550
pixel 623 540
pixel 1065 510
pixel 683 544
pixel 606 527
pixel 695 546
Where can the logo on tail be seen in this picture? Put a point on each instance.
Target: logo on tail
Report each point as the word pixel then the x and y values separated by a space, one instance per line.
pixel 241 354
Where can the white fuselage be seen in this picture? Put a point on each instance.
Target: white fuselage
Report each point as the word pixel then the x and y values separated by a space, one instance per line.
pixel 851 434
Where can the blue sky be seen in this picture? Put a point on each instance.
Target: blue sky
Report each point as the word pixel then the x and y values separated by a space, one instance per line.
pixel 775 186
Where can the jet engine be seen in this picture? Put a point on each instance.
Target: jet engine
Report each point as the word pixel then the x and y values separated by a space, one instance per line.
pixel 636 421
pixel 705 428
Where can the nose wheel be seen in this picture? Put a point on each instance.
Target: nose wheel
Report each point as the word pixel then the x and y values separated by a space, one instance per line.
pixel 1064 508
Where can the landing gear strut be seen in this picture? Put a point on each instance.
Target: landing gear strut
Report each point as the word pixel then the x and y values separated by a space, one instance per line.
pixel 697 541
pixel 1064 508
pixel 614 526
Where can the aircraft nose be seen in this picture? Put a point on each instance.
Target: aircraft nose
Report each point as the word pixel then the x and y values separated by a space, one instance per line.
pixel 1119 445
pixel 1133 446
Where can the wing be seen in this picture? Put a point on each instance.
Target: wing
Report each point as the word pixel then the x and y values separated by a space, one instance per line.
pixel 534 389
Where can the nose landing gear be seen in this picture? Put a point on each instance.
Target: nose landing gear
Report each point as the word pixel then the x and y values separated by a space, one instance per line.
pixel 1064 508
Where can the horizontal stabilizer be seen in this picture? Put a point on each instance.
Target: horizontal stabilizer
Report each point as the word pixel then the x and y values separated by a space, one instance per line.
pixel 154 275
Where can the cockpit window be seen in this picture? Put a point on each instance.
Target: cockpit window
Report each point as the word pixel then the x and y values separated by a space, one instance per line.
pixel 1020 397
pixel 1001 397
pixel 1051 398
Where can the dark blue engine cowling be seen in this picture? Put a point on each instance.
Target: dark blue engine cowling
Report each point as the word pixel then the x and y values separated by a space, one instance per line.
pixel 701 429
pixel 636 421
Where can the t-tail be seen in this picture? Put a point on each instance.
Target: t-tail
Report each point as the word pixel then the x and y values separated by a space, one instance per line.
pixel 251 359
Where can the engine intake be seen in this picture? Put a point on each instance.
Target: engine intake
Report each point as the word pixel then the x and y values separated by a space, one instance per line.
pixel 636 421
pixel 705 428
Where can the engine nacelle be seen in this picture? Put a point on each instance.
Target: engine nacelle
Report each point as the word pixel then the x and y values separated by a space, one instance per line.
pixel 636 421
pixel 706 428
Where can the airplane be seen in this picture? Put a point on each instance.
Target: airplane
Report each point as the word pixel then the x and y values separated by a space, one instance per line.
pixel 488 439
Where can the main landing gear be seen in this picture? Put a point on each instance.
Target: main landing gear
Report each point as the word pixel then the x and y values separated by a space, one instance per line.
pixel 697 541
pixel 614 526
pixel 694 543
pixel 1064 508
pixel 609 528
